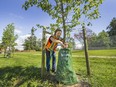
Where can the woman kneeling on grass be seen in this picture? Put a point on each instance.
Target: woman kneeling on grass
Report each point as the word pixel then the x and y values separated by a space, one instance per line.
pixel 51 48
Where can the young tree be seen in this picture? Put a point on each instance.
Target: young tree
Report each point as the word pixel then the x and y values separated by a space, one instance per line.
pixel 8 39
pixel 67 12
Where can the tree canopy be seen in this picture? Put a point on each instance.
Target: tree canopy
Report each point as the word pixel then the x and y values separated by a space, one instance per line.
pixel 32 43
pixel 9 38
pixel 67 12
pixel 112 32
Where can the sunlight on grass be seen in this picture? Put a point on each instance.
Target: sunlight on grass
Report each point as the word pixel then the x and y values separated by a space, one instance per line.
pixel 24 69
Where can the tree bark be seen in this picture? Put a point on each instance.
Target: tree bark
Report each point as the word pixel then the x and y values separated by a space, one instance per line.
pixel 64 27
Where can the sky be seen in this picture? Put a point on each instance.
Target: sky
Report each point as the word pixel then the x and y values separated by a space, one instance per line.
pixel 11 11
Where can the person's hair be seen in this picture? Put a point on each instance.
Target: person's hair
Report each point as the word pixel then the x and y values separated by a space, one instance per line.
pixel 57 31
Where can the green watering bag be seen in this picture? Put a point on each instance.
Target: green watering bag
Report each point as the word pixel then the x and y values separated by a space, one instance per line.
pixel 65 73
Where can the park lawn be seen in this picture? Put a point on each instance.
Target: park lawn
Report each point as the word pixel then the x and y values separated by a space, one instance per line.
pixel 24 69
pixel 107 52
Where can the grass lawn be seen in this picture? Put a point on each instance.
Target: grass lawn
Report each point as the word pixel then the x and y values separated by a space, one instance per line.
pixel 24 69
pixel 97 52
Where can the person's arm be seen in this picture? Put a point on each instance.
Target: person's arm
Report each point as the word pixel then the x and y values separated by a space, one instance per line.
pixel 57 41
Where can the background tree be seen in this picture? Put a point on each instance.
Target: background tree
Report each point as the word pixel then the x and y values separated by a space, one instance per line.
pixel 38 45
pixel 98 41
pixel 9 38
pixel 71 42
pixel 32 43
pixel 33 39
pixel 27 44
pixel 103 39
pixel 92 41
pixel 67 12
pixel 1 47
pixel 79 35
pixel 112 32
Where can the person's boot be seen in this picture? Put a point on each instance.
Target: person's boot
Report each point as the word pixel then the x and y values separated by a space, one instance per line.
pixel 53 71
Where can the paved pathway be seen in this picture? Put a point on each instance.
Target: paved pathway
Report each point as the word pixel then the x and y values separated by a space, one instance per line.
pixel 90 56
pixel 95 56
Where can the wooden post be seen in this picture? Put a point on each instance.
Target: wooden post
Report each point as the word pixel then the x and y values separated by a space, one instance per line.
pixel 86 51
pixel 43 54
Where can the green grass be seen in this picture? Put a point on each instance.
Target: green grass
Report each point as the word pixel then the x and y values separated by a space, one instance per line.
pixel 97 52
pixel 24 69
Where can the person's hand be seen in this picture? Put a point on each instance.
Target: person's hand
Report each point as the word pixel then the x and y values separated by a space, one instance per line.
pixel 66 45
pixel 62 45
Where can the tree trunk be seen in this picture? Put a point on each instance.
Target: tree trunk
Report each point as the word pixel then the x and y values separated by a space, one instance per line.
pixel 4 52
pixel 64 27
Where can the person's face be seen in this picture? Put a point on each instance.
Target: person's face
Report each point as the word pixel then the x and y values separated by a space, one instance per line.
pixel 58 33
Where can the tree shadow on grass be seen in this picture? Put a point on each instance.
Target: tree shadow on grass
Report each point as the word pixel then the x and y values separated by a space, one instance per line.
pixel 17 76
